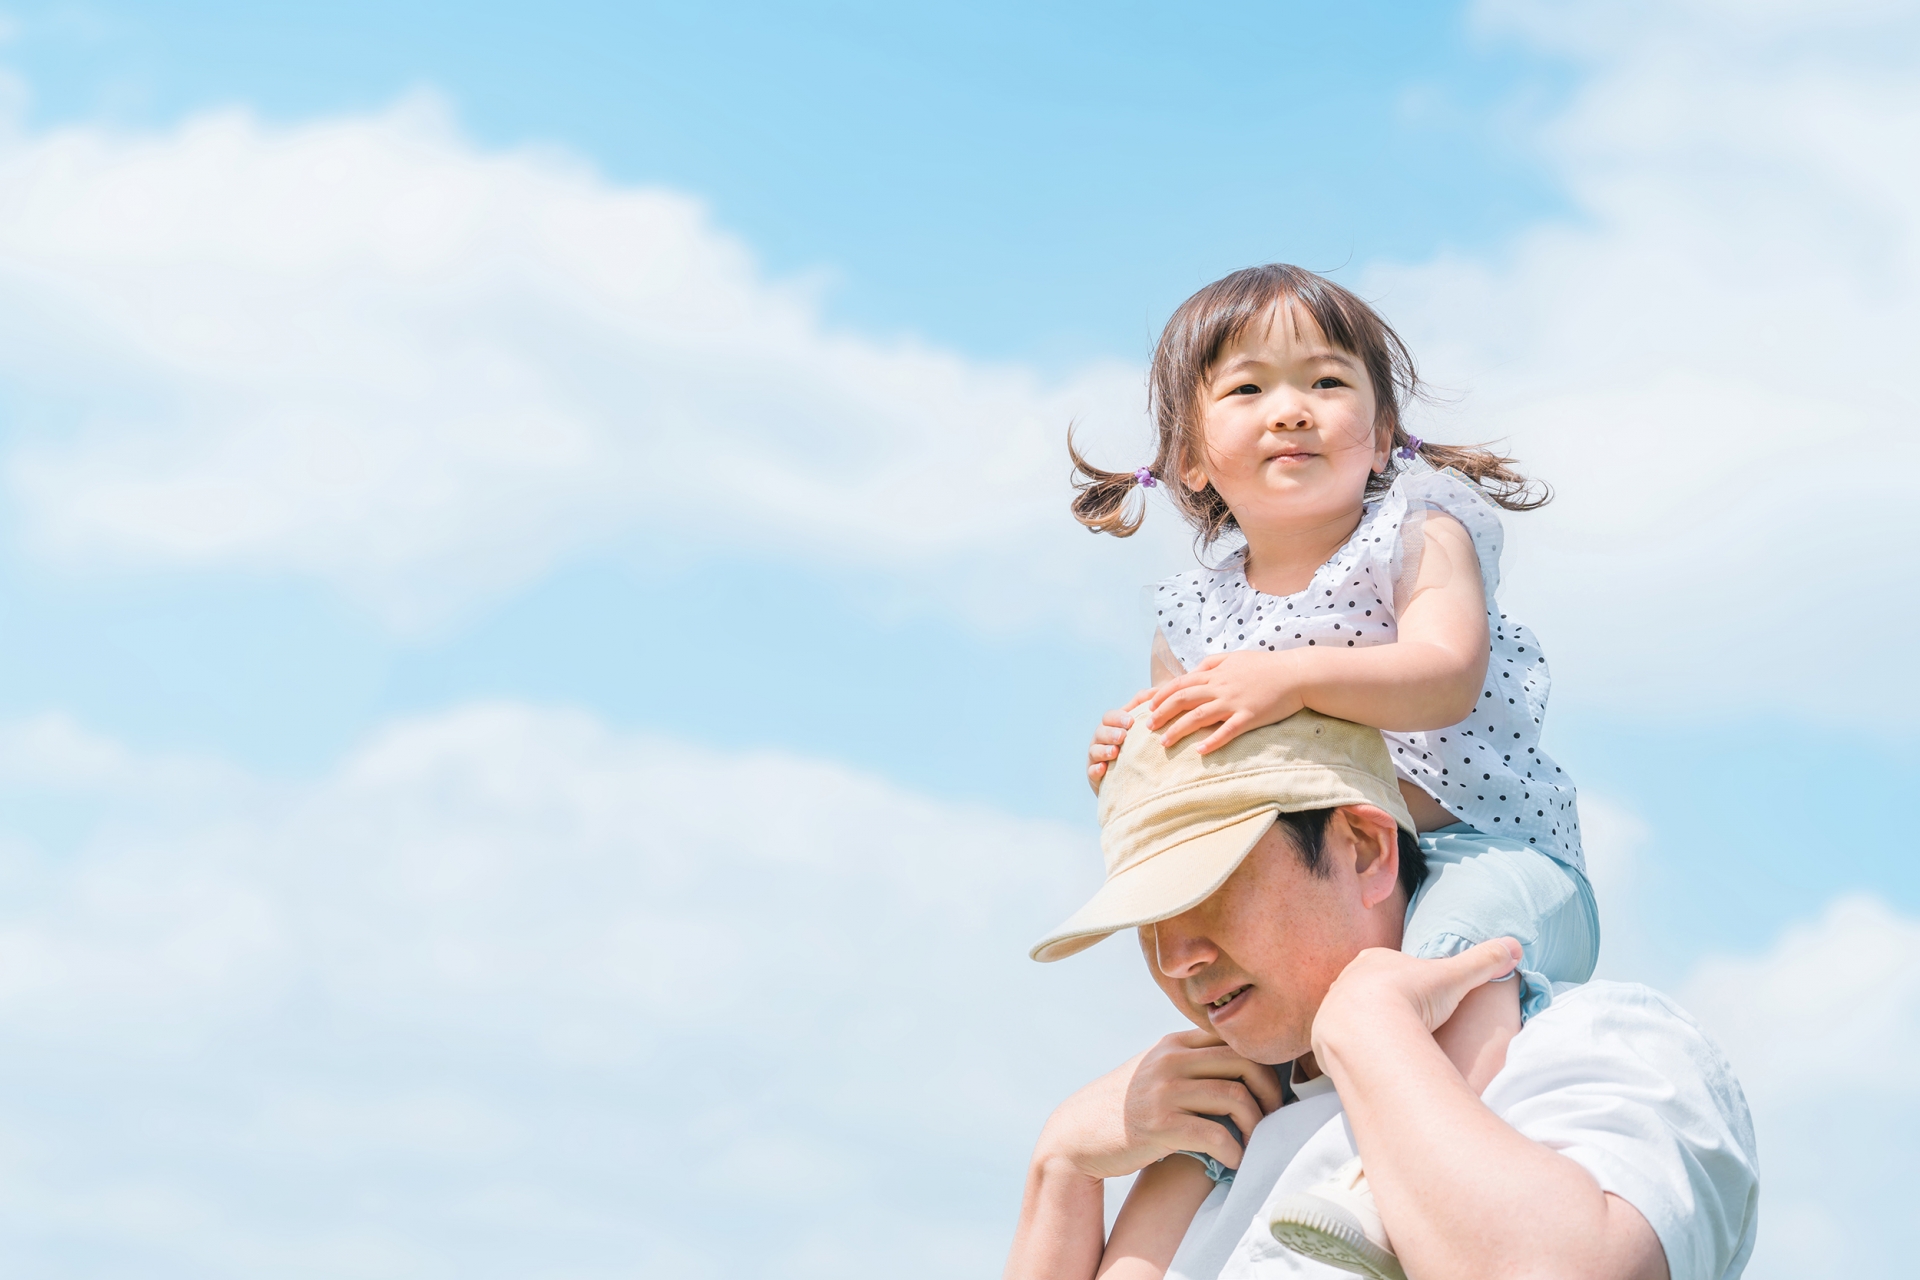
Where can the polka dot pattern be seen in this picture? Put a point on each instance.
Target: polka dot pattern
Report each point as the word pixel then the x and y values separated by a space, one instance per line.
pixel 1488 770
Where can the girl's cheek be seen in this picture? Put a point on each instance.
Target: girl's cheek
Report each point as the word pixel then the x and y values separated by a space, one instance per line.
pixel 1361 434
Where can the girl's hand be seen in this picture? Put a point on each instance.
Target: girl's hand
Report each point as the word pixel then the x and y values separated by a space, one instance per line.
pixel 1107 739
pixel 1237 691
pixel 1152 1106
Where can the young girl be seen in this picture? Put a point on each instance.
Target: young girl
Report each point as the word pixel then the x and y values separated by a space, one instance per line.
pixel 1363 587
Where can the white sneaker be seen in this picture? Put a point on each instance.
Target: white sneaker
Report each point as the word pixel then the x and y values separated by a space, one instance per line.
pixel 1336 1223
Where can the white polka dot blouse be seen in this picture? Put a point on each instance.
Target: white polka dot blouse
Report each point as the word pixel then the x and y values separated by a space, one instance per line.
pixel 1488 770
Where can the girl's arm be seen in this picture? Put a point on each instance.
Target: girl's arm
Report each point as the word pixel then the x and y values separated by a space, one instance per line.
pixel 1151 1106
pixel 1154 1220
pixel 1429 678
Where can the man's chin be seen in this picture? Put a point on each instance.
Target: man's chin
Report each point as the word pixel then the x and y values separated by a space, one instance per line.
pixel 1254 1037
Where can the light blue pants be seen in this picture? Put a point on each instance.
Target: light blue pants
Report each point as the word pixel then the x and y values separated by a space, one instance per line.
pixel 1480 887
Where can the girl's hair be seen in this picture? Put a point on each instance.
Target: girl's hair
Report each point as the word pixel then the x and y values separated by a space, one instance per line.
pixel 1105 501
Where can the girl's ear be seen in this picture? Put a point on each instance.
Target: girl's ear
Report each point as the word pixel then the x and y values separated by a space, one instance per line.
pixel 1192 475
pixel 1382 449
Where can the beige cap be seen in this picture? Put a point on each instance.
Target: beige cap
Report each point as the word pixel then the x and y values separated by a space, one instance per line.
pixel 1174 823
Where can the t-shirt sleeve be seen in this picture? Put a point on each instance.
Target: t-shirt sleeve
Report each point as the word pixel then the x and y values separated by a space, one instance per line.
pixel 1619 1079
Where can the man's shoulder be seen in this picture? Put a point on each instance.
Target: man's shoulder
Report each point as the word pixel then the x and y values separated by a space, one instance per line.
pixel 1602 998
pixel 1621 1007
pixel 1617 1034
pixel 1623 1081
pixel 1602 1010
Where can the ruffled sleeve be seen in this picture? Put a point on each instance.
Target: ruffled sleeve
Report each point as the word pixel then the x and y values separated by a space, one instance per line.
pixel 1420 488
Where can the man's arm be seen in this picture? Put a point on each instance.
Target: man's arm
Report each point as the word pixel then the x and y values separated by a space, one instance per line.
pixel 1463 1195
pixel 1062 1230
pixel 1062 1215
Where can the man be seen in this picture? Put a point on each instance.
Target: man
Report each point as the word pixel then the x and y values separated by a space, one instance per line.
pixel 1269 882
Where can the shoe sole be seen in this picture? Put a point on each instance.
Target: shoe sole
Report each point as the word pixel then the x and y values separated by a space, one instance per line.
pixel 1310 1226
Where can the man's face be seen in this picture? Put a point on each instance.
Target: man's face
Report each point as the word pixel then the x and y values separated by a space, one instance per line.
pixel 1253 962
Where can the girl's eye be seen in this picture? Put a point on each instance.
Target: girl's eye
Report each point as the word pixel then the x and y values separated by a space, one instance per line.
pixel 1325 384
pixel 1245 389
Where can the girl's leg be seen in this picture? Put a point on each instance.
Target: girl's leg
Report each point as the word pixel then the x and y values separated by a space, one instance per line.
pixel 1154 1220
pixel 1475 1038
pixel 1480 887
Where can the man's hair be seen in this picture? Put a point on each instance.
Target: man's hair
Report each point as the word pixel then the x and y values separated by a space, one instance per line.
pixel 1309 831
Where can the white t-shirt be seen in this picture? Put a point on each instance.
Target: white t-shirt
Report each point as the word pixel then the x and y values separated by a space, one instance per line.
pixel 1614 1076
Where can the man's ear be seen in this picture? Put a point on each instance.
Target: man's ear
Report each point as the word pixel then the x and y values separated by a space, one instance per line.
pixel 1372 840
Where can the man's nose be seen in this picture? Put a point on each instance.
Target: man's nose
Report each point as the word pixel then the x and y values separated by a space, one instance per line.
pixel 1181 950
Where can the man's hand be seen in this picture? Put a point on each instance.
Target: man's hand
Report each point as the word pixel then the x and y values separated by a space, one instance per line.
pixel 1237 691
pixel 1147 1108
pixel 1378 982
pixel 1527 1210
pixel 1152 1106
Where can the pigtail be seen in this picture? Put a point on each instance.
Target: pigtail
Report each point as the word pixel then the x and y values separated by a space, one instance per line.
pixel 1104 500
pixel 1492 473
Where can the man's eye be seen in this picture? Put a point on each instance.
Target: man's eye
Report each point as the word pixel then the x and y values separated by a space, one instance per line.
pixel 1245 389
pixel 1327 383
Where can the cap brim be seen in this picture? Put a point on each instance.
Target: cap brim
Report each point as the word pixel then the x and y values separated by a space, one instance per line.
pixel 1170 882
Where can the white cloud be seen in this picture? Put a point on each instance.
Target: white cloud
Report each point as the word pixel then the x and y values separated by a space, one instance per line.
pixel 1824 1029
pixel 1835 1003
pixel 510 992
pixel 1711 361
pixel 365 350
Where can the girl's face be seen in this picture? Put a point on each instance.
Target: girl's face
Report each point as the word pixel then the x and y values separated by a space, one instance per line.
pixel 1290 431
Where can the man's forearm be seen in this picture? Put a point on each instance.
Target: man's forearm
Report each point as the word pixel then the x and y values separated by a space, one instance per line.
pixel 1062 1230
pixel 1463 1194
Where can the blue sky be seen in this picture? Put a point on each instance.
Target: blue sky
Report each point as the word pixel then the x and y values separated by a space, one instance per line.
pixel 1037 181
pixel 397 407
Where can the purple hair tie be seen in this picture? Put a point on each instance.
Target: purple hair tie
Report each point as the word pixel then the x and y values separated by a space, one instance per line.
pixel 1144 478
pixel 1410 450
